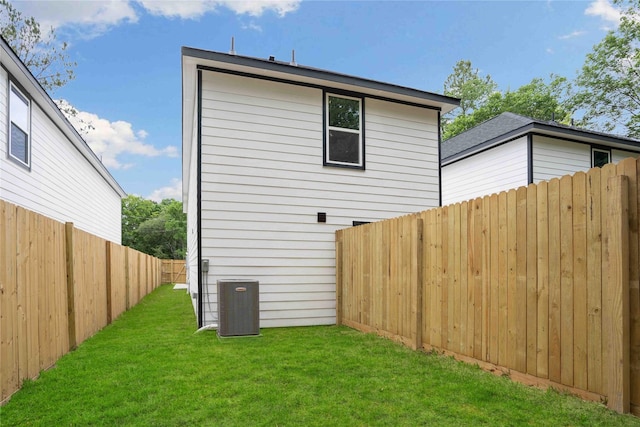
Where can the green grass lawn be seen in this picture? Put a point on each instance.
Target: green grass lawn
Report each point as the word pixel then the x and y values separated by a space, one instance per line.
pixel 149 368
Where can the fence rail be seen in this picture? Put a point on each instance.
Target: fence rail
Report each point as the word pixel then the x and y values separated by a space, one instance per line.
pixel 542 282
pixel 59 286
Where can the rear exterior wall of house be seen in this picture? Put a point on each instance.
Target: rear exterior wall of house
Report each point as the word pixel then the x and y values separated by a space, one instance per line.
pixel 264 183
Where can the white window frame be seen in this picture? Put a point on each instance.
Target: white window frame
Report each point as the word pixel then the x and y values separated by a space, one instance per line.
pixel 15 92
pixel 359 132
pixel 599 150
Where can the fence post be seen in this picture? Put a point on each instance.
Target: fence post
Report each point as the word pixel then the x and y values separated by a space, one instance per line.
pixel 71 309
pixel 419 284
pixel 339 277
pixel 109 302
pixel 126 277
pixel 616 295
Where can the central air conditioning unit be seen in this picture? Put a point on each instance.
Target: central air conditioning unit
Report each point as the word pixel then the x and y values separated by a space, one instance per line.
pixel 238 308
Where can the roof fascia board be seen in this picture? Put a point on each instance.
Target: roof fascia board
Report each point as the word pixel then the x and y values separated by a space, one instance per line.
pixel 21 73
pixel 585 136
pixel 313 75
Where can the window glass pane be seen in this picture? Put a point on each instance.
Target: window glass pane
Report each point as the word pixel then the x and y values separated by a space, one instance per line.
pixel 19 148
pixel 19 110
pixel 600 158
pixel 344 113
pixel 344 147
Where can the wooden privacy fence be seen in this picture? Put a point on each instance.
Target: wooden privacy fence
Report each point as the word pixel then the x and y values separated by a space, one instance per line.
pixel 59 286
pixel 541 282
pixel 174 271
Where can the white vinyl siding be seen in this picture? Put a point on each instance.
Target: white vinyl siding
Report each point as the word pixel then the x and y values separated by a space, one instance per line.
pixel 553 158
pixel 498 169
pixel 619 155
pixel 61 184
pixel 264 182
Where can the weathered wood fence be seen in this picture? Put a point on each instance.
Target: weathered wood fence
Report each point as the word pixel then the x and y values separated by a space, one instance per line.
pixel 59 286
pixel 174 271
pixel 541 282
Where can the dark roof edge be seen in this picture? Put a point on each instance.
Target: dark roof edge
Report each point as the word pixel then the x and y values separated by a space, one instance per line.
pixel 304 71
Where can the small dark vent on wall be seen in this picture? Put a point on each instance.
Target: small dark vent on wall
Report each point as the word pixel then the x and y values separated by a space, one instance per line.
pixel 322 217
pixel 355 223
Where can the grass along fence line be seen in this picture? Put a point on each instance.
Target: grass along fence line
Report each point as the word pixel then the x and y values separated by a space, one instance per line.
pixel 540 282
pixel 149 368
pixel 59 286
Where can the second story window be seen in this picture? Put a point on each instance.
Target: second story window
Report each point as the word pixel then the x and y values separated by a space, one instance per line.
pixel 344 145
pixel 19 127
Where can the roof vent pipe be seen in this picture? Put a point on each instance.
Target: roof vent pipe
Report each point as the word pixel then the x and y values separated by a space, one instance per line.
pixel 233 46
pixel 272 58
pixel 293 58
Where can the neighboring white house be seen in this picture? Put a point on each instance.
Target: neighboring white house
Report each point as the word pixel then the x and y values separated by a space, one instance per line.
pixel 45 166
pixel 510 151
pixel 277 157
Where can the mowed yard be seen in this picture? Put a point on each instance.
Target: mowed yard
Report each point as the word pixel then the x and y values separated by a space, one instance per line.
pixel 150 368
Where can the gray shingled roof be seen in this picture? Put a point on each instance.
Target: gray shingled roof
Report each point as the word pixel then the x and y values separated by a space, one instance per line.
pixel 509 125
pixel 493 128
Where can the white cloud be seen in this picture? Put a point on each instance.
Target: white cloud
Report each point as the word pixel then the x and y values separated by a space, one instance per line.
pixel 173 191
pixel 605 10
pixel 91 18
pixel 572 35
pixel 86 18
pixel 252 26
pixel 194 9
pixel 550 51
pixel 109 140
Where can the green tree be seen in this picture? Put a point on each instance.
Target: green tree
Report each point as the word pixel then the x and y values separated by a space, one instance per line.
pixel 41 53
pixel 474 91
pixel 608 86
pixel 158 229
pixel 537 99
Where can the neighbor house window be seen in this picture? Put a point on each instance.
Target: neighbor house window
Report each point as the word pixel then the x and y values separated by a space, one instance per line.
pixel 600 157
pixel 19 126
pixel 344 145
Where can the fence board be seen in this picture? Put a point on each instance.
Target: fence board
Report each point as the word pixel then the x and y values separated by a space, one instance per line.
pixel 594 282
pixel 520 297
pixel 503 267
pixel 531 320
pixel 554 280
pixel 542 243
pixel 580 320
pixel 494 323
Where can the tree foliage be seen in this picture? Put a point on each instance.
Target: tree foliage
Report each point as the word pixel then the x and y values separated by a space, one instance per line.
pixel 609 82
pixel 537 99
pixel 158 229
pixel 465 83
pixel 40 51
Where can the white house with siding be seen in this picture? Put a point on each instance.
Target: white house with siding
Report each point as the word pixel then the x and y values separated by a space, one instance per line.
pixel 45 166
pixel 510 151
pixel 277 157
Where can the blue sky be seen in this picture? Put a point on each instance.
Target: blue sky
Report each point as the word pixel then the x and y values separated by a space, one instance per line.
pixel 128 56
